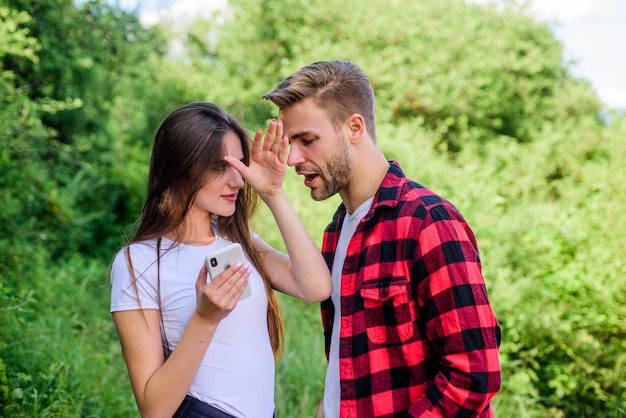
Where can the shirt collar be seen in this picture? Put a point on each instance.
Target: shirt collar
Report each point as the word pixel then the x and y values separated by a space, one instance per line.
pixel 388 193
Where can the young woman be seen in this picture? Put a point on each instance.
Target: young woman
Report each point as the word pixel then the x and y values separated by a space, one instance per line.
pixel 192 347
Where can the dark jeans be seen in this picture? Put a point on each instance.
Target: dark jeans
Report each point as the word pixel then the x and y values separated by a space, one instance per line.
pixel 193 408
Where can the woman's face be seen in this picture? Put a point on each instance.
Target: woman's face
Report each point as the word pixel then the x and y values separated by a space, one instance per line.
pixel 219 194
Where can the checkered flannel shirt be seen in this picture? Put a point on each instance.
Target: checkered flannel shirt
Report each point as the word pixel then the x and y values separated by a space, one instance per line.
pixel 418 335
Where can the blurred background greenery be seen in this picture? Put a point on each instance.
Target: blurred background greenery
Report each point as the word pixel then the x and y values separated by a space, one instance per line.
pixel 475 101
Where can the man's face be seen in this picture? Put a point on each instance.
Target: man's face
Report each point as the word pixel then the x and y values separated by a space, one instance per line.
pixel 318 151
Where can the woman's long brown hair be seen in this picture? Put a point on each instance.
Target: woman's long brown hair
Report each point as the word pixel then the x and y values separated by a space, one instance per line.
pixel 188 142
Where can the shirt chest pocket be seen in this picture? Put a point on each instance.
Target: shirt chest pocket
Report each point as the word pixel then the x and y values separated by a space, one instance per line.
pixel 389 318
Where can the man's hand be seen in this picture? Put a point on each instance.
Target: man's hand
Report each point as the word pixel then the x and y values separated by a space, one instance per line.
pixel 268 161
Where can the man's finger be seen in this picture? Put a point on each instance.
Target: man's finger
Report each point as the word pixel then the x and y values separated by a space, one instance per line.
pixel 268 142
pixel 238 165
pixel 257 144
pixel 284 151
pixel 277 140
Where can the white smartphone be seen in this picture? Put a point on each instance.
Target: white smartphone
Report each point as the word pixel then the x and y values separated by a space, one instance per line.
pixel 220 260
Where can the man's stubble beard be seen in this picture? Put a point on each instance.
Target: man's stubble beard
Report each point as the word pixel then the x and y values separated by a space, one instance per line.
pixel 335 174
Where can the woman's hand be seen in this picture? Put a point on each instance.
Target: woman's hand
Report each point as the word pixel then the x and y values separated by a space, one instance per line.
pixel 268 160
pixel 217 298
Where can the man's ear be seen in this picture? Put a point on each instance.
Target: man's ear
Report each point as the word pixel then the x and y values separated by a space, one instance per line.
pixel 355 125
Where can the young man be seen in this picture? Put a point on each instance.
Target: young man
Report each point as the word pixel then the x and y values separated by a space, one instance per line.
pixel 409 329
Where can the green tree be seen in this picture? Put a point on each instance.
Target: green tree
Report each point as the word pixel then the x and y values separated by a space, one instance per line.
pixel 87 52
pixel 23 183
pixel 467 72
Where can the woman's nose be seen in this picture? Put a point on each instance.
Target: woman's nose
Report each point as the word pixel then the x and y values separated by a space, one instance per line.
pixel 235 178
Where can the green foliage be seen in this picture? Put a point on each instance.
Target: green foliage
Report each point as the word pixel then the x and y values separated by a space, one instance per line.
pixel 59 152
pixel 302 368
pixel 469 73
pixel 60 346
pixel 58 200
pixel 478 93
pixel 17 41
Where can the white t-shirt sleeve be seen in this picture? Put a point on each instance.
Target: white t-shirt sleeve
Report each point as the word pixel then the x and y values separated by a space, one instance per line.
pixel 140 291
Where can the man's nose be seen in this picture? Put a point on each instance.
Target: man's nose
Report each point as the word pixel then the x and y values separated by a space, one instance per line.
pixel 295 156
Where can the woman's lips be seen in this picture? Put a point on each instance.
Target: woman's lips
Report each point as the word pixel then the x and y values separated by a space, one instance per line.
pixel 230 197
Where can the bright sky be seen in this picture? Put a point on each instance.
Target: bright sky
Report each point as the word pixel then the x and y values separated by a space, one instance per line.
pixel 593 33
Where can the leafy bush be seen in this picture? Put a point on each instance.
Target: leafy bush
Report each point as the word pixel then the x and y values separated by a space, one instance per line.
pixel 60 347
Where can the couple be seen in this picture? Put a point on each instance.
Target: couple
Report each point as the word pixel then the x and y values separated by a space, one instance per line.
pixel 408 326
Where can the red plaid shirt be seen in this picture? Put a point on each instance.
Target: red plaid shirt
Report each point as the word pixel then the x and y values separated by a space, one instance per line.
pixel 418 336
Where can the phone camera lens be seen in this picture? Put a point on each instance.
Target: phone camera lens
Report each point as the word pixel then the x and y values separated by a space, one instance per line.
pixel 213 262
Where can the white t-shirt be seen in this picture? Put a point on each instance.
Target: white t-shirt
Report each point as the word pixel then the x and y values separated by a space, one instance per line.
pixel 237 372
pixel 332 389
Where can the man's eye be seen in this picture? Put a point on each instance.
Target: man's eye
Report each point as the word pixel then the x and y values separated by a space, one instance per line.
pixel 307 141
